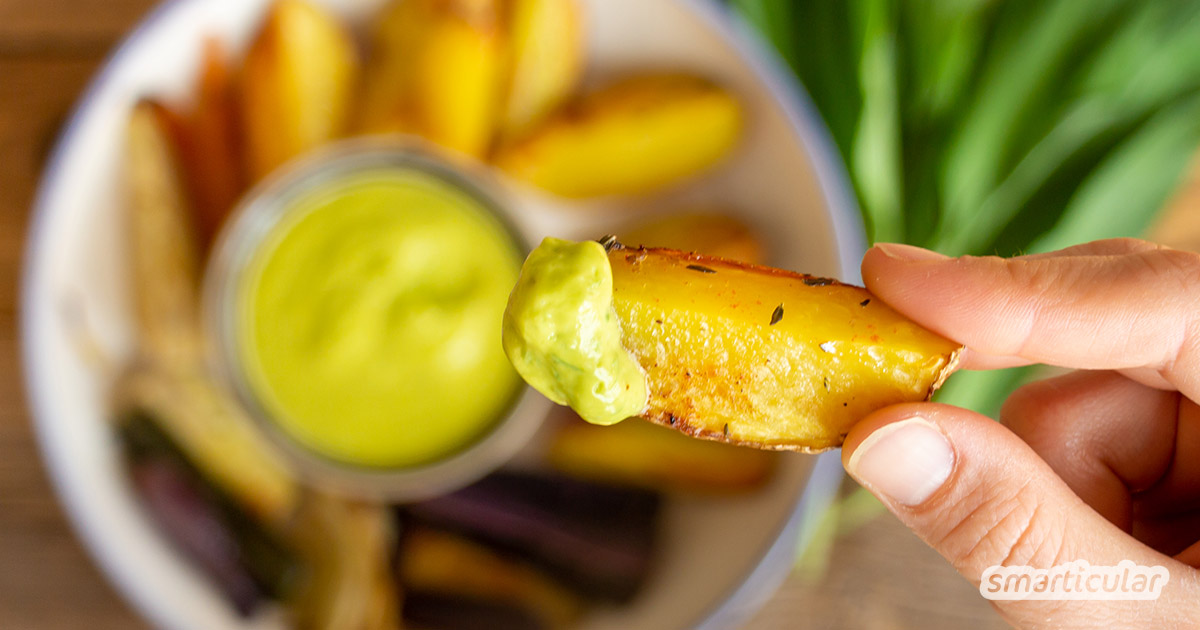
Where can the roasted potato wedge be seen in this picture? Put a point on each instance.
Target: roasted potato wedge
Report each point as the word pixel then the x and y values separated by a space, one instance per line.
pixel 296 85
pixel 598 540
pixel 387 76
pixel 350 584
pixel 246 560
pixel 162 242
pixel 763 357
pixel 215 436
pixel 436 69
pixel 709 233
pixel 440 563
pixel 642 454
pixel 545 52
pixel 168 381
pixel 209 144
pixel 634 136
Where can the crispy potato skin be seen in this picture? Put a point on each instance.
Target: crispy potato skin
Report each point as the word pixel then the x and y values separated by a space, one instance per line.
pixel 765 357
pixel 634 136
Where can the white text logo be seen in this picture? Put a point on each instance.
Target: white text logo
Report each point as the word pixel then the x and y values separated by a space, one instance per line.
pixel 1074 580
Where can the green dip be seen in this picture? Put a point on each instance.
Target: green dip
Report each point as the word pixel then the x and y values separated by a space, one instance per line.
pixel 562 335
pixel 370 319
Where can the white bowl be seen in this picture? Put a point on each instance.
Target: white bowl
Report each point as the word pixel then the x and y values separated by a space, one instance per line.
pixel 722 557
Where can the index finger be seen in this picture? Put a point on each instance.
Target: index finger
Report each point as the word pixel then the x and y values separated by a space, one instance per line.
pixel 1117 305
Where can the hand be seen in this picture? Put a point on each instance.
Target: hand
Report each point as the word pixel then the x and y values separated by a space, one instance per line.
pixel 1101 464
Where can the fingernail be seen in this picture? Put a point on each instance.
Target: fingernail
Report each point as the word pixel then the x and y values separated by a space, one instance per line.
pixel 907 461
pixel 900 251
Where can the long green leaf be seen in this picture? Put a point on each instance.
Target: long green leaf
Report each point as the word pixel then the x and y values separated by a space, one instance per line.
pixel 1034 45
pixel 819 44
pixel 875 152
pixel 1122 197
pixel 1095 125
pixel 941 41
pixel 1150 64
pixel 939 47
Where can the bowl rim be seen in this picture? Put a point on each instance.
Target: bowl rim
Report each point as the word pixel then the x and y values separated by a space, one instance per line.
pixel 831 181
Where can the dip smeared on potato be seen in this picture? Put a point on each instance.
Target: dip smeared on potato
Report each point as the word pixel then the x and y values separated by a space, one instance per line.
pixel 714 348
pixel 562 335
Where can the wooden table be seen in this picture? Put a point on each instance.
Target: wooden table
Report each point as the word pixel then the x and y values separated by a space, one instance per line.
pixel 884 579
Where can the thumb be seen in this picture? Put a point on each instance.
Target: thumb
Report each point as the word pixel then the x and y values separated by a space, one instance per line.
pixel 979 496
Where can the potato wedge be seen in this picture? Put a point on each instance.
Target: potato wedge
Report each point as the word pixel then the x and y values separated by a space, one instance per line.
pixel 714 348
pixel 209 142
pixel 439 563
pixel 642 454
pixel 296 84
pixel 545 52
pixel 704 232
pixel 634 136
pixel 348 547
pixel 169 381
pixel 598 540
pixel 247 560
pixel 215 436
pixel 764 357
pixel 382 103
pixel 162 243
pixel 436 69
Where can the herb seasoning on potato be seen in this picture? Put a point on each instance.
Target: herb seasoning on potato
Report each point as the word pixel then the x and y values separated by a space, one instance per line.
pixel 714 348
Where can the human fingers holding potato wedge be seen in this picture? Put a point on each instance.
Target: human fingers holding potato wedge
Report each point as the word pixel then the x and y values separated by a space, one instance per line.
pixel 1100 465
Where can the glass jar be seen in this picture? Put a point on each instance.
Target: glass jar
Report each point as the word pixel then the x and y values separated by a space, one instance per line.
pixel 253 232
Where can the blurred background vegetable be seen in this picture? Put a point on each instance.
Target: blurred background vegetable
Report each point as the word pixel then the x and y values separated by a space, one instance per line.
pixel 436 69
pixel 634 136
pixel 996 127
pixel 296 84
pixel 546 41
pixel 999 127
